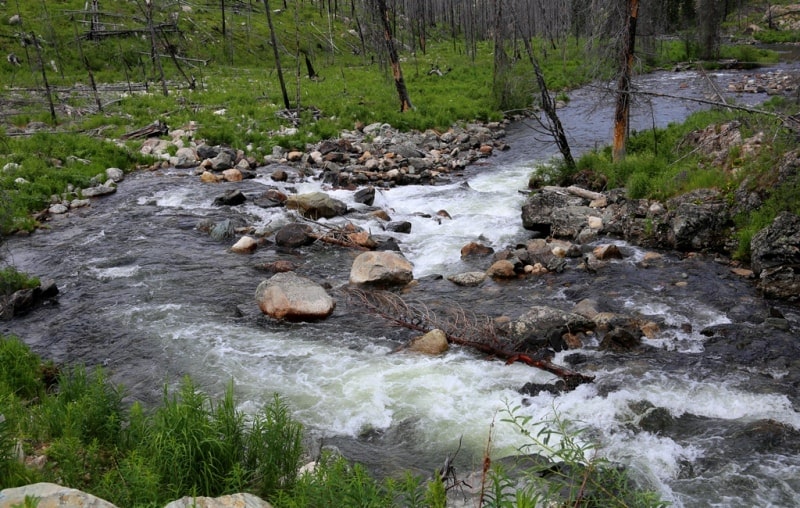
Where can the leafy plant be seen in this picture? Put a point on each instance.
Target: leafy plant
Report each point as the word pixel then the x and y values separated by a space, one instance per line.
pixel 567 470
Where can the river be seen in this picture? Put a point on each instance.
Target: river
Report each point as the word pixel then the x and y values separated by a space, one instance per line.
pixel 150 298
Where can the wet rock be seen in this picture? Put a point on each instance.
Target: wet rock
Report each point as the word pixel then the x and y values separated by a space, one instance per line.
pixel 294 235
pixel 700 220
pixel 775 257
pixel 620 340
pixel 209 177
pixel 115 174
pixel 316 205
pixel 99 190
pixel 289 296
pixel 475 249
pixel 606 252
pixel 502 269
pixel 281 265
pixel 25 300
pixel 381 268
pixel 50 495
pixel 229 501
pixel 365 196
pixel 233 197
pixel 543 326
pixel 432 343
pixel 232 175
pixel 220 231
pixel 270 198
pixel 467 279
pixel 399 227
pixel 245 245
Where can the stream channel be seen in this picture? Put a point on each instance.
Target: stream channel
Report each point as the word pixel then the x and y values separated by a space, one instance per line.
pixel 151 298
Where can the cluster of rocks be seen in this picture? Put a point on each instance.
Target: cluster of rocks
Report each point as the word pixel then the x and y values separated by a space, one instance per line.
pixel 376 154
pixel 56 496
pixel 776 82
pixel 22 301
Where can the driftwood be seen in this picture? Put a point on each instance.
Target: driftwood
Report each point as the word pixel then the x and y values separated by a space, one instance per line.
pixel 460 328
pixel 157 128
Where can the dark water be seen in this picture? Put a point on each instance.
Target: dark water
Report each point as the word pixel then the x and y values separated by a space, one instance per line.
pixel 708 418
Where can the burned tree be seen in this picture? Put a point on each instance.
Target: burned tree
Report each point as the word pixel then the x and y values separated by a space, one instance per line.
pixel 394 60
pixel 623 103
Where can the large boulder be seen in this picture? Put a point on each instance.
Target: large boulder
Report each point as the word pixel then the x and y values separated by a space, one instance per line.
pixel 229 501
pixel 700 220
pixel 775 256
pixel 316 205
pixel 50 495
pixel 542 326
pixel 381 268
pixel 287 295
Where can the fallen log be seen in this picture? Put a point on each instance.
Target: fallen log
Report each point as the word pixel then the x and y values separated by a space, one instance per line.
pixel 476 332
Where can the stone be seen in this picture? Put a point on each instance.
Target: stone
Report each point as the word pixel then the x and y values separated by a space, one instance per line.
pixel 98 190
pixel 209 177
pixel 287 295
pixel 294 235
pixel 230 198
pixel 232 175
pixel 365 196
pixel 620 340
pixel 115 174
pixel 294 156
pixel 381 268
pixel 432 343
pixel 775 257
pixel 58 209
pixel 606 252
pixel 224 160
pixel 475 249
pixel 230 501
pixel 502 269
pixel 399 227
pixel 316 205
pixel 245 245
pixel 467 279
pixel 50 495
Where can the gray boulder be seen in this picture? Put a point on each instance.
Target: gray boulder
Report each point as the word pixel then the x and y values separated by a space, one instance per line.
pixel 50 495
pixel 287 295
pixel 542 326
pixel 775 256
pixel 229 501
pixel 316 205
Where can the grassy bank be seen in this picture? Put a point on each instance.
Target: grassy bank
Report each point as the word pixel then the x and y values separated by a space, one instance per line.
pixel 73 427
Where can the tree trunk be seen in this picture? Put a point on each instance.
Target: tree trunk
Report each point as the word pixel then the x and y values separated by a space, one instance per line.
pixel 623 109
pixel 394 61
pixel 277 56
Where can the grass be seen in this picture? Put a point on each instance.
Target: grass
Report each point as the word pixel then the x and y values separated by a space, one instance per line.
pixel 191 445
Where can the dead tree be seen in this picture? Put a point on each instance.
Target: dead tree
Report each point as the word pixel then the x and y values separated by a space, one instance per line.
pixel 623 102
pixel 276 51
pixel 394 61
pixel 468 330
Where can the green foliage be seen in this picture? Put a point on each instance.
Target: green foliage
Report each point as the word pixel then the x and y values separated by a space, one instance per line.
pixel 20 374
pixel 777 36
pixel 12 280
pixel 570 472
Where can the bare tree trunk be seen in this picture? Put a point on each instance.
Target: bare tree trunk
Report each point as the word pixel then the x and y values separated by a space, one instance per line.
pixel 154 48
pixel 44 77
pixel 88 69
pixel 277 56
pixel 394 61
pixel 623 109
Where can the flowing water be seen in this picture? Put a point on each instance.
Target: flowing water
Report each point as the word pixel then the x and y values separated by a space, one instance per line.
pixel 151 298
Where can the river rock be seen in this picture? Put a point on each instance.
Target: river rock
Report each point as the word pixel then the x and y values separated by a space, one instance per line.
pixel 271 198
pixel 775 256
pixel 287 295
pixel 225 159
pixel 700 220
pixel 621 340
pixel 115 174
pixel 467 279
pixel 229 501
pixel 50 495
pixel 232 175
pixel 99 190
pixel 209 177
pixel 381 268
pixel 475 249
pixel 294 235
pixel 432 343
pixel 606 252
pixel 316 205
pixel 543 326
pixel 232 197
pixel 23 301
pixel 403 226
pixel 502 269
pixel 245 245
pixel 556 213
pixel 365 196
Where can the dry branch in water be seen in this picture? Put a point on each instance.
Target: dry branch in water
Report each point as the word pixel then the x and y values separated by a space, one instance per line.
pixel 461 328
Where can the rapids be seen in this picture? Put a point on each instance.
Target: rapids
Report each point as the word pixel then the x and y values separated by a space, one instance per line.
pixel 150 298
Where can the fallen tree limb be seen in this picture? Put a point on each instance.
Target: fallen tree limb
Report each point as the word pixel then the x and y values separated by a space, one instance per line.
pixel 468 330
